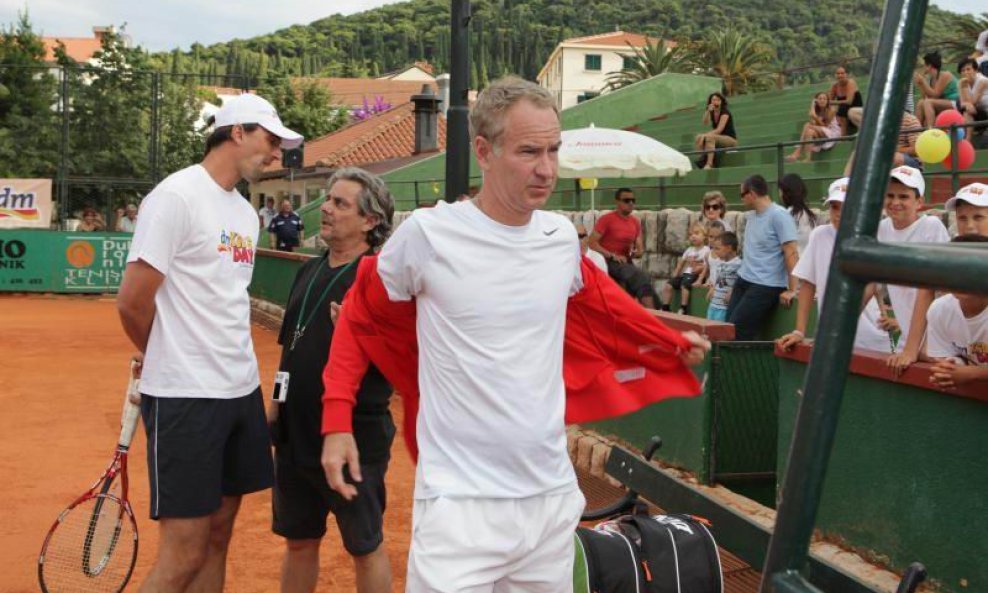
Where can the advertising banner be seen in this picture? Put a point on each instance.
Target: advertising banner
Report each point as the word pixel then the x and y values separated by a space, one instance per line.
pixel 25 203
pixel 67 262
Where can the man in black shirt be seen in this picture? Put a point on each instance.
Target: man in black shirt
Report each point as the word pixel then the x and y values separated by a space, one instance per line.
pixel 355 220
pixel 286 230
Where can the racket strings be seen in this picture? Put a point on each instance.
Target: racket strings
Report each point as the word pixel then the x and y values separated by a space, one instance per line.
pixel 92 548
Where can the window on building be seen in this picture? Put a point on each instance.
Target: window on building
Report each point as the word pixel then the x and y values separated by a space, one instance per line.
pixel 591 62
pixel 627 62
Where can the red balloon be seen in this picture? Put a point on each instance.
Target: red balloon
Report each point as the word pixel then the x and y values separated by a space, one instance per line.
pixel 949 117
pixel 965 156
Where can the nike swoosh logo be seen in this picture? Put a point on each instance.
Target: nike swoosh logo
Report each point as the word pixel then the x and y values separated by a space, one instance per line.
pixel 549 233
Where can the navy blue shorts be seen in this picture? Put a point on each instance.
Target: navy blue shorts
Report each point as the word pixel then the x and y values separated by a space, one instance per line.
pixel 302 502
pixel 200 450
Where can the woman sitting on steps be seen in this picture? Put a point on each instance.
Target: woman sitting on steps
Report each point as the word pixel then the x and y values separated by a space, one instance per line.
pixel 823 124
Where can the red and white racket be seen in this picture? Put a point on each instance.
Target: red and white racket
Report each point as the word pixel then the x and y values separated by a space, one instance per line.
pixel 92 547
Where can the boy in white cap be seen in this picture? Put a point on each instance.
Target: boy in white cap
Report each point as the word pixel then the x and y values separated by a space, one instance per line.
pixel 905 224
pixel 184 304
pixel 813 269
pixel 970 206
pixel 957 339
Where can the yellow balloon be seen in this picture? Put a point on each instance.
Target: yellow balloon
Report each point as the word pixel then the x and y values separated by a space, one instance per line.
pixel 933 146
pixel 588 183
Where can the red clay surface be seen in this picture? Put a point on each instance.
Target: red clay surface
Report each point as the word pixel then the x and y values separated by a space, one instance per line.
pixel 63 371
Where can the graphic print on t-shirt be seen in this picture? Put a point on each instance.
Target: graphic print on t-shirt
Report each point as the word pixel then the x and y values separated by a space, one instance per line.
pixel 239 246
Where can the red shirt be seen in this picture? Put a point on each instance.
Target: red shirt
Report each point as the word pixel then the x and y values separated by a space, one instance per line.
pixel 618 233
pixel 617 357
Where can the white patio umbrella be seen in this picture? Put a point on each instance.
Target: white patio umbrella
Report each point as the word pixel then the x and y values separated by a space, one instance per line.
pixel 603 152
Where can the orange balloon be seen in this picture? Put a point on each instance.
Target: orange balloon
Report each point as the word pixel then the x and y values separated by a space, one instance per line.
pixel 965 156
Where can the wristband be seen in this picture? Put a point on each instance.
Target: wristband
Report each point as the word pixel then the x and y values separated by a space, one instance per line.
pixel 798 333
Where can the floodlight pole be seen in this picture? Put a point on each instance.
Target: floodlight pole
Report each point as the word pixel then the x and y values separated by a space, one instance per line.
pixel 457 126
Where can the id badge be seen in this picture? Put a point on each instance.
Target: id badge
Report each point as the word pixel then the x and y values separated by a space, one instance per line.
pixel 280 393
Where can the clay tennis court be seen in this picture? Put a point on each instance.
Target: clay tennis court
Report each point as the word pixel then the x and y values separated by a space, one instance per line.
pixel 63 372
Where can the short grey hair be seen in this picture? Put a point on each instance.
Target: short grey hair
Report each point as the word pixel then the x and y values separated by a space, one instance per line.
pixel 373 200
pixel 487 115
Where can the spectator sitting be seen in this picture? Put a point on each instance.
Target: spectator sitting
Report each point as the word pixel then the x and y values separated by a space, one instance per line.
pixel 812 271
pixel 844 94
pixel 91 221
pixel 618 237
pixel 725 249
pixel 691 267
pixel 714 207
pixel 970 206
pixel 715 229
pixel 128 222
pixel 939 90
pixel 722 134
pixel 823 124
pixel 905 224
pixel 596 258
pixel 770 254
pixel 981 49
pixel 286 230
pixel 905 150
pixel 974 93
pixel 267 212
pixel 957 335
pixel 792 191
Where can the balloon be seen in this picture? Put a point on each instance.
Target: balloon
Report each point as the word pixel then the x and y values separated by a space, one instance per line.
pixel 948 118
pixel 588 183
pixel 965 156
pixel 933 146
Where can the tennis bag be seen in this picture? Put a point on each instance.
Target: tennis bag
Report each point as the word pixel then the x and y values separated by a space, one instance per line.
pixel 639 553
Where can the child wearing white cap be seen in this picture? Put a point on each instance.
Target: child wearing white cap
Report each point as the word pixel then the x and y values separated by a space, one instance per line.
pixel 970 206
pixel 813 269
pixel 957 337
pixel 905 224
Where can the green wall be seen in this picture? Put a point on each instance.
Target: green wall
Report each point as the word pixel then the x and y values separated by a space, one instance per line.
pixel 908 477
pixel 273 277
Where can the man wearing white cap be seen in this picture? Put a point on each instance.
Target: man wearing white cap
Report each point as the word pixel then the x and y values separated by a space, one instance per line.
pixel 905 224
pixel 184 304
pixel 813 269
pixel 970 207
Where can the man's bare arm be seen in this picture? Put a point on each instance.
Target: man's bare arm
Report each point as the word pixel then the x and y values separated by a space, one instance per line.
pixel 135 301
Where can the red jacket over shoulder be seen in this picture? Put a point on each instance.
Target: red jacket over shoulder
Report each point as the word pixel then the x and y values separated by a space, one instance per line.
pixel 617 358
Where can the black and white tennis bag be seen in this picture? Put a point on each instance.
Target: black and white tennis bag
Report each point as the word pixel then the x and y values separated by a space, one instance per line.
pixel 639 553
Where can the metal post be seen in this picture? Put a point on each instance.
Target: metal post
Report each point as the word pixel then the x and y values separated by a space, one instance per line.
pixel 955 176
pixel 457 127
pixel 155 136
pixel 63 157
pixel 816 422
pixel 780 162
pixel 662 193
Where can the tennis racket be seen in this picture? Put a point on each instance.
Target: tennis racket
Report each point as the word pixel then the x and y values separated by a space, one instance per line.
pixel 92 547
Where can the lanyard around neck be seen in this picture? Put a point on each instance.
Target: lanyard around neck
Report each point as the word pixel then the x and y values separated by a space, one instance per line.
pixel 299 325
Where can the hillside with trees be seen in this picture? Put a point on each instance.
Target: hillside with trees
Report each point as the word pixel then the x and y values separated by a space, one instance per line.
pixel 517 36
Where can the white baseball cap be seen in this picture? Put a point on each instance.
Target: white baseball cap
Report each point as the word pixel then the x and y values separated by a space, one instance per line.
pixel 910 177
pixel 251 109
pixel 838 190
pixel 975 194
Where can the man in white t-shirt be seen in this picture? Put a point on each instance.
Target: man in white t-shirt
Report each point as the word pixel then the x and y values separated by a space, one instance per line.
pixel 594 256
pixel 957 335
pixel 267 212
pixel 905 224
pixel 813 269
pixel 184 304
pixel 496 498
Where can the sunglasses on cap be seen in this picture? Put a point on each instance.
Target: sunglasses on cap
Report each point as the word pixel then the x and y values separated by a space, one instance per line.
pixel 628 200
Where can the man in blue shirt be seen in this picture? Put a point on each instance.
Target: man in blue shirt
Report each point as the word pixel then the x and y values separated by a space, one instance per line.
pixel 286 230
pixel 769 258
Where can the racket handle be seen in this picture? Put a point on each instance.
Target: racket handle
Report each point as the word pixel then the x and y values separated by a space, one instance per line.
pixel 131 411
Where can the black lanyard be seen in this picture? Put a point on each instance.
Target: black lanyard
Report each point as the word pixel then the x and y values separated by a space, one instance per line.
pixel 299 325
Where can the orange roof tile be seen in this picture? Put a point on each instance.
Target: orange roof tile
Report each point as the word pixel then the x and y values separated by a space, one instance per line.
pixel 353 91
pixel 618 38
pixel 389 135
pixel 80 49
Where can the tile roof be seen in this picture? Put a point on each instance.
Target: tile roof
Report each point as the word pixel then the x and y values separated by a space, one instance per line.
pixel 619 39
pixel 386 136
pixel 353 91
pixel 80 49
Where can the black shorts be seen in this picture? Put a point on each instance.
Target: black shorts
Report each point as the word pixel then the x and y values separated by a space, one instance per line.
pixel 302 501
pixel 200 450
pixel 683 281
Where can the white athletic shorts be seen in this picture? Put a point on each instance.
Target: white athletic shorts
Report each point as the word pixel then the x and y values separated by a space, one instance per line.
pixel 494 545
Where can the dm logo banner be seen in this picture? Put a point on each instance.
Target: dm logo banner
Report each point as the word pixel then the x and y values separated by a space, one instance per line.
pixel 25 203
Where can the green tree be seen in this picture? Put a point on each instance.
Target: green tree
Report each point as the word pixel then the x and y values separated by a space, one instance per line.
pixel 29 125
pixel 739 59
pixel 306 106
pixel 649 61
pixel 181 144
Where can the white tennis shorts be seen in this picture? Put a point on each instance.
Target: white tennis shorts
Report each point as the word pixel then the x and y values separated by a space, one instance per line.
pixel 494 545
